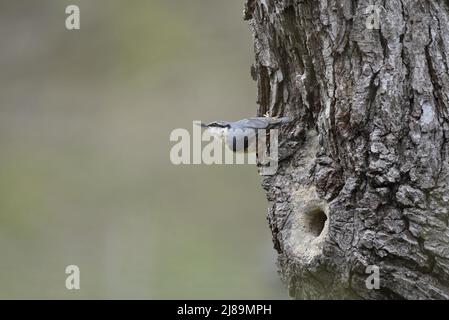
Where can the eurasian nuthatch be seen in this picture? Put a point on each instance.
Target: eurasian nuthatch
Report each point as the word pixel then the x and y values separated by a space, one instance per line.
pixel 243 135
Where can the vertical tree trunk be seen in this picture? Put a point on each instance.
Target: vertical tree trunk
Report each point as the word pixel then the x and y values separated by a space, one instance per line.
pixel 364 175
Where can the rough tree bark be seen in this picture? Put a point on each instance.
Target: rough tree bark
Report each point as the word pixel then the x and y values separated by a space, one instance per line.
pixel 364 175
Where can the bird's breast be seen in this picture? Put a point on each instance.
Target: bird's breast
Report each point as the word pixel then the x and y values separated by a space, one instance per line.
pixel 241 140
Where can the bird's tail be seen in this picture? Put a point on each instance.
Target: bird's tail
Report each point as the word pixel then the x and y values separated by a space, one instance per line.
pixel 285 119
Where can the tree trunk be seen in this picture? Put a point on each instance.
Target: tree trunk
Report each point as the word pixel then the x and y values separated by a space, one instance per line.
pixel 363 177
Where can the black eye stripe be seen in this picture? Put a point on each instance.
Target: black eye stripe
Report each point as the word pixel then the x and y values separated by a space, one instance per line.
pixel 218 125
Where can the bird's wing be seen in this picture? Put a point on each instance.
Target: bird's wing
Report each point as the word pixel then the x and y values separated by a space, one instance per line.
pixel 254 123
pixel 263 122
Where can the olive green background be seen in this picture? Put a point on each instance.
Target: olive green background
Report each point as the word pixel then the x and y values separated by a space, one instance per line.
pixel 85 173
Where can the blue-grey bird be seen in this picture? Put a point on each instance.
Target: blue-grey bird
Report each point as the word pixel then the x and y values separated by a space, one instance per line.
pixel 241 136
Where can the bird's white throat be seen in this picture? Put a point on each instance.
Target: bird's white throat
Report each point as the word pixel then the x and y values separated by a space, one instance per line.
pixel 220 133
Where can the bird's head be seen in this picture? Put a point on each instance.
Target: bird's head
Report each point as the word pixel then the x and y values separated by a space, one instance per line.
pixel 217 128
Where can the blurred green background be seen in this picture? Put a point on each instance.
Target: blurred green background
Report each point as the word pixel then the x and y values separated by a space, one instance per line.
pixel 85 175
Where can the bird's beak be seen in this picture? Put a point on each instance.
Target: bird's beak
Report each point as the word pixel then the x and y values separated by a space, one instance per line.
pixel 202 125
